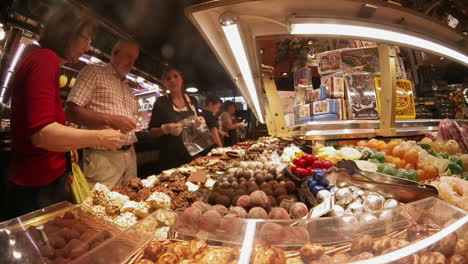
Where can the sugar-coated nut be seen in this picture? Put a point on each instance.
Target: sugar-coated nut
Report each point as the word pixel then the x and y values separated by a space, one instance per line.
pixel 210 220
pixel 279 213
pixel 457 259
pixel 362 244
pixel 239 211
pixel 257 213
pixel 269 255
pixel 244 201
pixel 416 232
pixel 433 258
pixel 196 247
pixel 81 228
pixel 340 258
pixel 272 233
pixel 310 251
pixel 446 245
pixel 168 258
pixel 258 198
pixel 362 256
pixel 298 210
pixel 296 235
pixel 144 261
pixel 221 209
pixel 153 251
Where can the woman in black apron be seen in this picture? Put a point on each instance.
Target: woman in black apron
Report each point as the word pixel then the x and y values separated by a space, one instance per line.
pixel 167 111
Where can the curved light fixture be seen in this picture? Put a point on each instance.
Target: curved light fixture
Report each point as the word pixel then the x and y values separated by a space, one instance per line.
pixel 191 90
pixel 230 25
pixel 349 29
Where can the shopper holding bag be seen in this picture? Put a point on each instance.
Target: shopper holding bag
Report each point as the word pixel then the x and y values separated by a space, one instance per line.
pixel 39 135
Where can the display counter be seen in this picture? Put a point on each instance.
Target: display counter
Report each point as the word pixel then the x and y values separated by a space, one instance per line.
pixel 355 129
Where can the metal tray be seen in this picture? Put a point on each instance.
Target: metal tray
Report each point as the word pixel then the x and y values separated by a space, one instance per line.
pixel 391 187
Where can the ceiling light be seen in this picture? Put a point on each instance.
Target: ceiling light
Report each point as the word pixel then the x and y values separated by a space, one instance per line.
pixel 2 33
pixel 231 31
pixel 191 90
pixel 376 34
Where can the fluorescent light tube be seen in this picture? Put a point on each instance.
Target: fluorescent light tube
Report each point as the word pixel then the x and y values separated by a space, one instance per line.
pixel 237 47
pixel 378 34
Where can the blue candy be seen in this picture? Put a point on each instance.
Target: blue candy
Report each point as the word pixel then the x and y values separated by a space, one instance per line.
pixel 311 182
pixel 330 187
pixel 323 182
pixel 316 189
pixel 318 174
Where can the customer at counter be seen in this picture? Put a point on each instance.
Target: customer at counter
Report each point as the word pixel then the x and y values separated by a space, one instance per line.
pixel 228 125
pixel 167 111
pixel 209 113
pixel 39 135
pixel 101 97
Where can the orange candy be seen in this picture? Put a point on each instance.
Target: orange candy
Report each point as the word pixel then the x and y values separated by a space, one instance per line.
pixel 409 166
pixel 411 156
pixel 391 145
pixel 362 143
pixel 430 172
pixel 381 145
pixel 421 174
pixel 398 151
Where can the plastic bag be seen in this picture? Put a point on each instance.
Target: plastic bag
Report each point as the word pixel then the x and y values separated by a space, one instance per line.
pixel 196 135
pixel 79 187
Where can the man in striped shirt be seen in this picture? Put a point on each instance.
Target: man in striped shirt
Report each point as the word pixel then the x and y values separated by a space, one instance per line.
pixel 100 98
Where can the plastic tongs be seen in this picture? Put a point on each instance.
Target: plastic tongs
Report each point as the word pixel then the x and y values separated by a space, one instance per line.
pixel 391 187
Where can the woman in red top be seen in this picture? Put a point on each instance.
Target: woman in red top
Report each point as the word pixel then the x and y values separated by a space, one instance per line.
pixel 39 135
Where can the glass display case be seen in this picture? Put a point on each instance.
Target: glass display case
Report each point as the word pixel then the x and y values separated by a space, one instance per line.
pixel 422 230
pixel 61 233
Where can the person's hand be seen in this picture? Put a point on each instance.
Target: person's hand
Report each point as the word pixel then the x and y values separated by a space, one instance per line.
pixel 222 133
pixel 122 123
pixel 172 128
pixel 201 119
pixel 110 139
pixel 74 156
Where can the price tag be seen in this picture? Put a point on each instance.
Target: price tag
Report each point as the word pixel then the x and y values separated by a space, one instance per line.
pixel 322 209
pixel 282 167
pixel 275 157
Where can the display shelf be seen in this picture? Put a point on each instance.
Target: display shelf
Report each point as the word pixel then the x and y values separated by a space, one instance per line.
pixel 353 129
pixel 336 235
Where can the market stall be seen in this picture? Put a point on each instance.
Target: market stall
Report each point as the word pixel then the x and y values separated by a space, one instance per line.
pixel 342 197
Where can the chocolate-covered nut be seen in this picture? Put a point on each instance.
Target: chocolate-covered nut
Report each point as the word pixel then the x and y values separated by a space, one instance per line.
pixel 269 177
pixel 259 178
pixel 290 186
pixel 57 242
pixel 278 191
pixel 225 184
pixel 235 185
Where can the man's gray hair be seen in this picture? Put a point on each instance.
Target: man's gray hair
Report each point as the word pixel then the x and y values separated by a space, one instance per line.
pixel 122 42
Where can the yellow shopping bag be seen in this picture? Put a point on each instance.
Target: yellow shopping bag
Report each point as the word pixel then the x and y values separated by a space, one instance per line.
pixel 79 187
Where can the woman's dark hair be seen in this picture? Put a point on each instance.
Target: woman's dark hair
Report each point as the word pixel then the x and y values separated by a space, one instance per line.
pixel 212 99
pixel 63 28
pixel 167 70
pixel 227 104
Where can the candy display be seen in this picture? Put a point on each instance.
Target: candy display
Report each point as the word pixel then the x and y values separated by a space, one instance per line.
pixel 59 240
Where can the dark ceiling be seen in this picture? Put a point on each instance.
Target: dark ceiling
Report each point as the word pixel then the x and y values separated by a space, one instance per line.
pixel 164 32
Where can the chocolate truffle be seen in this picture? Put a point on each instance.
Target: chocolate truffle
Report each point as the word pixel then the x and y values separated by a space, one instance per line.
pixel 298 210
pixel 210 220
pixel 279 213
pixel 221 209
pixel 272 233
pixel 239 211
pixel 257 213
pixel 258 198
pixel 279 190
pixel 290 186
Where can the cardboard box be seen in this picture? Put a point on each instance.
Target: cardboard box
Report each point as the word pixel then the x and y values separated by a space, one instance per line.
pixel 362 98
